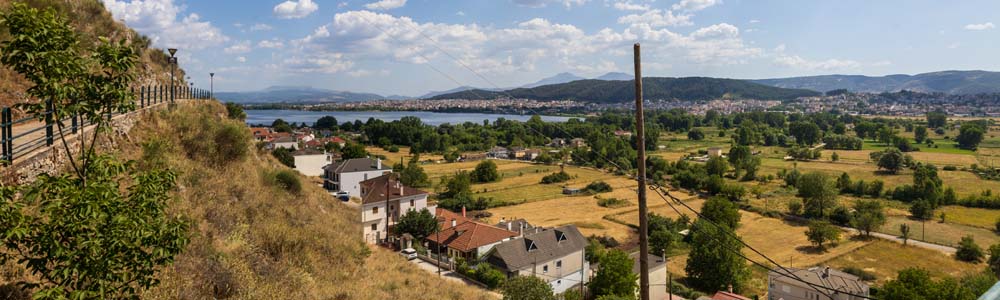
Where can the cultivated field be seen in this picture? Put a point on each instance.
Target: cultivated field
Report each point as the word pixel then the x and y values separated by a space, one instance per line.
pixel 885 259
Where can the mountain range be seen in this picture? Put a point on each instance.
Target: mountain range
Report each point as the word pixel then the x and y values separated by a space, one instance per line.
pixel 949 82
pixel 614 91
pixel 570 86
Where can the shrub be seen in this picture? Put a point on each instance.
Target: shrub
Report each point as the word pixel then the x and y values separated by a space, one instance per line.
pixel 968 250
pixel 864 275
pixel 235 111
pixel 612 202
pixel 288 180
pixel 232 143
pixel 949 168
pixel 555 178
pixel 284 157
pixel 598 187
pixel 795 207
pixel 489 275
pixel 393 149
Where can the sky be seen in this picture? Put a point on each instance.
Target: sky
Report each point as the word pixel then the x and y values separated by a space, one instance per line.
pixel 410 47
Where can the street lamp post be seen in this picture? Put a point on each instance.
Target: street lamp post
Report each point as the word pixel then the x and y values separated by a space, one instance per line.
pixel 211 85
pixel 173 66
pixel 190 90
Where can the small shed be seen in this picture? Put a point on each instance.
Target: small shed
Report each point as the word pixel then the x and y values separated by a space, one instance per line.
pixel 714 151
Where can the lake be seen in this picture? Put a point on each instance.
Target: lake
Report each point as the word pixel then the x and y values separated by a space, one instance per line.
pixel 267 116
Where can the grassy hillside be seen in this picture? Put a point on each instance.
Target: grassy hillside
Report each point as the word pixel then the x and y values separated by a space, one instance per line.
pixel 91 21
pixel 253 238
pixel 654 88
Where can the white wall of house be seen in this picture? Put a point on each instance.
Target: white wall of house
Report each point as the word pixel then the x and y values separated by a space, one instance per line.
pixel 657 282
pixel 312 164
pixel 350 182
pixel 374 214
pixel 286 145
pixel 561 273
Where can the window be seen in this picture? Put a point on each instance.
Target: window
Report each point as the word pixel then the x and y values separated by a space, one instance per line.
pixel 558 264
pixel 374 226
pixel 375 210
pixel 411 203
pixel 545 269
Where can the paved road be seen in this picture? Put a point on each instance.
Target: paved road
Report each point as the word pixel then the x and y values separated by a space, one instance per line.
pixel 449 275
pixel 911 242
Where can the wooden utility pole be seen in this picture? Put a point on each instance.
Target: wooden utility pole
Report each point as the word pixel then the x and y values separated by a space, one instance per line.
pixel 640 146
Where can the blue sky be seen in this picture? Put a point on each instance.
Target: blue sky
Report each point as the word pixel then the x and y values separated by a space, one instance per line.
pixel 403 46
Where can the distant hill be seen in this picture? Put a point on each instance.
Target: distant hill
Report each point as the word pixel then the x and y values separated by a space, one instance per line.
pixel 296 95
pixel 431 94
pixel 616 76
pixel 951 82
pixel 609 91
pixel 555 79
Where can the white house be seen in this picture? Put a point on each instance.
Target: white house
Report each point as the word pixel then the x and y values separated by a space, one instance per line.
pixel 346 175
pixel 284 142
pixel 310 162
pixel 555 255
pixel 383 200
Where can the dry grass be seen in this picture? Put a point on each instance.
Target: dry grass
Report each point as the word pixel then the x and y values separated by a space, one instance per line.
pixel 885 259
pixel 979 217
pixel 253 240
pixel 940 233
pixel 403 155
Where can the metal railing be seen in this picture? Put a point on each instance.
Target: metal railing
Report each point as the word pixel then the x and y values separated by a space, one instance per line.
pixel 29 138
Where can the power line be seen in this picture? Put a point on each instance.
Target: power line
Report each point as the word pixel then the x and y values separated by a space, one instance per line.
pixel 788 273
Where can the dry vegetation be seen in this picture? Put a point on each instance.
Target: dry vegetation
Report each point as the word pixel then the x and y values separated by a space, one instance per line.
pixel 253 239
pixel 885 260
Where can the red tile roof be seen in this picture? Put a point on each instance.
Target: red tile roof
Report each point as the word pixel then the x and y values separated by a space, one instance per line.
pixel 728 296
pixel 375 189
pixel 469 235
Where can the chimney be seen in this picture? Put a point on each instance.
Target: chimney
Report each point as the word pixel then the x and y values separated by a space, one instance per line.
pixel 729 288
pixel 463 210
pixel 826 272
pixel 453 223
pixel 378 163
pixel 509 226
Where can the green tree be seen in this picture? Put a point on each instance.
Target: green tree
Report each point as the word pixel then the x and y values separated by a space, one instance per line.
pixel 834 157
pixel 819 194
pixel 527 288
pixel 922 209
pixel 968 250
pixel 696 134
pixel 721 211
pixel 805 133
pixel 969 136
pixel 413 175
pixel 821 232
pixel 326 122
pixel 101 230
pixel 717 166
pixel 904 231
pixel 615 276
pixel 486 171
pixel 284 156
pixel 353 150
pixel 891 160
pixel 713 263
pixel 869 215
pixel 419 224
pixel 235 111
pixel 936 119
pixel 994 260
pixel 460 184
pixel 919 134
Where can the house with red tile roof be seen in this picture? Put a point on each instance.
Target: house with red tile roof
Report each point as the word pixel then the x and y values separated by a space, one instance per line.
pixel 466 238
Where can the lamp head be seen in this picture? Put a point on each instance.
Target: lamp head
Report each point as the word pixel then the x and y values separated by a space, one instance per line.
pixel 172 51
pixel 211 74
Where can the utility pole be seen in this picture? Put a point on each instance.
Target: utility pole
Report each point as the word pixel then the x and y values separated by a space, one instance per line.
pixel 173 65
pixel 640 146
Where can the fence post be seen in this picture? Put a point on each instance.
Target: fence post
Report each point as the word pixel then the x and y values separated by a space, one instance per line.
pixel 75 123
pixel 4 123
pixel 48 123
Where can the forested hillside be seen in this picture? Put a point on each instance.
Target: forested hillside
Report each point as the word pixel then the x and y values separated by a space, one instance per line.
pixel 654 88
pixel 90 20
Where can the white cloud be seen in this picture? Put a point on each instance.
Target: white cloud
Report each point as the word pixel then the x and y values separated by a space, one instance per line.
pixel 271 44
pixel 238 48
pixel 657 18
pixel 260 27
pixel 798 62
pixel 322 63
pixel 954 45
pixel 544 3
pixel 163 22
pixel 365 73
pixel 754 21
pixel 629 5
pixel 295 10
pixel 241 59
pixel 460 13
pixel 695 5
pixel 342 4
pixel 386 4
pixel 982 26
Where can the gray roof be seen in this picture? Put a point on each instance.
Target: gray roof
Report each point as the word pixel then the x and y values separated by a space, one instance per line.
pixel 285 139
pixel 835 279
pixel 355 165
pixel 539 247
pixel 654 261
